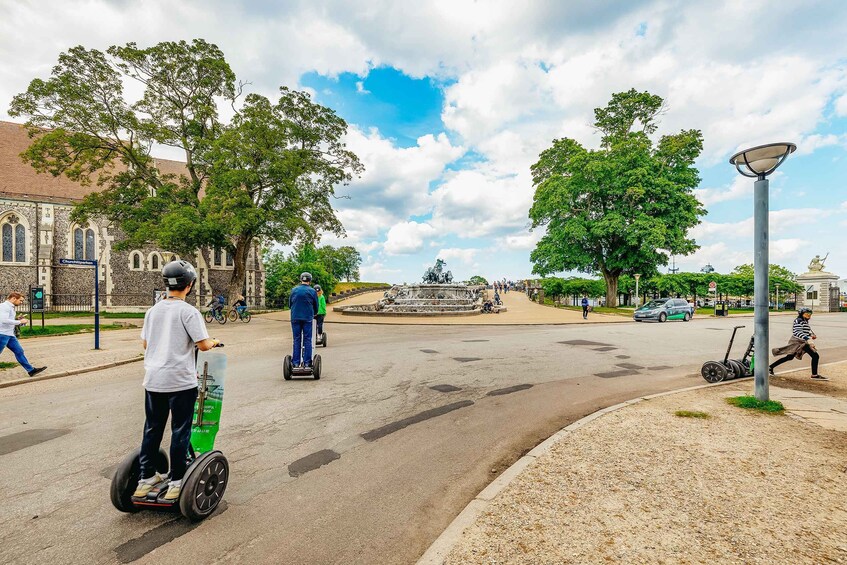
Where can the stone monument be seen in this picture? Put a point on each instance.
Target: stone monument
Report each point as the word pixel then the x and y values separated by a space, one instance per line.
pixel 820 290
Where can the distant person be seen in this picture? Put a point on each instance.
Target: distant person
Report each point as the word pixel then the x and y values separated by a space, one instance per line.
pixel 240 305
pixel 497 299
pixel 319 318
pixel 217 303
pixel 9 322
pixel 584 308
pixel 303 303
pixel 800 343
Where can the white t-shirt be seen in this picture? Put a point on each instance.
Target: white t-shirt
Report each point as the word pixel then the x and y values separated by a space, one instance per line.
pixel 171 328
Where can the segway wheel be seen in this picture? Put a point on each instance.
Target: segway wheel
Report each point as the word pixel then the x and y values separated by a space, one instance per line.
pixel 286 368
pixel 738 370
pixel 316 367
pixel 203 486
pixel 126 477
pixel 323 339
pixel 713 371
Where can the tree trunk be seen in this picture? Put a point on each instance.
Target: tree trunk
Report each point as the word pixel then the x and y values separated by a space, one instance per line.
pixel 239 271
pixel 611 289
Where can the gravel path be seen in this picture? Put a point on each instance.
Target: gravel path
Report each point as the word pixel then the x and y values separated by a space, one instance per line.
pixel 642 485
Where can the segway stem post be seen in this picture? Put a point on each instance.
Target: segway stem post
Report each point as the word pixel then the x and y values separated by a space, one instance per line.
pixel 731 340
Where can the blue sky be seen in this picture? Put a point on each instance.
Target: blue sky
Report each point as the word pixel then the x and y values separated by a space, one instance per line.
pixel 449 104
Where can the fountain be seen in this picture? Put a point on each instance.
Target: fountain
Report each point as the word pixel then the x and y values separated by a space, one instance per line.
pixel 436 296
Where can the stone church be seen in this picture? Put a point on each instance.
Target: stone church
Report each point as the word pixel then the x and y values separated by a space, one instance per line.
pixel 36 232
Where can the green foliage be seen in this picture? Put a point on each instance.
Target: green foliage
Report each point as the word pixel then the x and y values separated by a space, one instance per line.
pixel 7 365
pixel 342 262
pixel 65 329
pixel 555 286
pixel 283 272
pixel 268 175
pixel 691 414
pixel 620 209
pixel 477 279
pixel 770 406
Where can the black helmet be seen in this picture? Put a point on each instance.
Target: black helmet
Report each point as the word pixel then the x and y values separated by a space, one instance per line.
pixel 803 311
pixel 305 277
pixel 178 274
pixel 317 287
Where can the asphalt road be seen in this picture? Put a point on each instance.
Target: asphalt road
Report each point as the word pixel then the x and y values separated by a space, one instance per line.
pixel 367 465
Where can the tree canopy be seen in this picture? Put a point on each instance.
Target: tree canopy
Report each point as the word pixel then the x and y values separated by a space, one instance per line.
pixel 621 209
pixel 268 175
pixel 478 279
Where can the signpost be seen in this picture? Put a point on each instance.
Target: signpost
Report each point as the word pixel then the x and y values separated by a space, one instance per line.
pixel 90 263
pixel 713 287
pixel 36 303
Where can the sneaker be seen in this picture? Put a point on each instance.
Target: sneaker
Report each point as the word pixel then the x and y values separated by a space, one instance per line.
pixel 173 490
pixel 146 485
pixel 770 371
pixel 819 378
pixel 36 371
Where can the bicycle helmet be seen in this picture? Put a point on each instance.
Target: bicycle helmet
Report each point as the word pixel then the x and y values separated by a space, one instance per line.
pixel 306 277
pixel 178 274
pixel 317 287
pixel 803 311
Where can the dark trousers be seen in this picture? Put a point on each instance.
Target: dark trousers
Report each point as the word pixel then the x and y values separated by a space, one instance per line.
pixel 302 338
pixel 157 406
pixel 320 321
pixel 808 349
pixel 585 312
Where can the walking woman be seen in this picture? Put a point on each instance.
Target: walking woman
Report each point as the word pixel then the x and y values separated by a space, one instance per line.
pixel 799 344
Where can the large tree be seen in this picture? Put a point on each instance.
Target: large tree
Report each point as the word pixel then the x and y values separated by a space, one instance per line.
pixel 620 209
pixel 268 175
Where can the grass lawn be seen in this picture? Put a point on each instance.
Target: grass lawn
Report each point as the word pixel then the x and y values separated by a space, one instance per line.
pixel 53 315
pixel 750 402
pixel 345 286
pixel 65 329
pixel 7 365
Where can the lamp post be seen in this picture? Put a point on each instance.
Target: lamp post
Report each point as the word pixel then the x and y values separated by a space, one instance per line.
pixel 777 297
pixel 758 162
pixel 637 276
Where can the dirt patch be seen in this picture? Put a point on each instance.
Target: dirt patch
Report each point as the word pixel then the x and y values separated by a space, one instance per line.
pixel 642 485
pixel 836 386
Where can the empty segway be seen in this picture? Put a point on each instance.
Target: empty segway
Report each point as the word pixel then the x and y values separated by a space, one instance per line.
pixel 289 370
pixel 207 475
pixel 717 371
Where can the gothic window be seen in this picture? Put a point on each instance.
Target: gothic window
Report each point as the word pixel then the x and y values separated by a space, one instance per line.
pixel 79 246
pixel 13 235
pixel 136 261
pixel 89 244
pixel 154 262
pixel 217 260
pixel 228 259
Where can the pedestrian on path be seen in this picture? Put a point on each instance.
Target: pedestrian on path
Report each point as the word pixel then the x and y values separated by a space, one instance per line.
pixel 8 323
pixel 584 308
pixel 303 303
pixel 172 330
pixel 800 343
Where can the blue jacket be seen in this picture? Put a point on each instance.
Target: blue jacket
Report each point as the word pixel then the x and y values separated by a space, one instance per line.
pixel 585 302
pixel 303 302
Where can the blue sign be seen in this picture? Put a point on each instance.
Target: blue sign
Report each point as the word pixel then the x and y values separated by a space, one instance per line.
pixel 83 262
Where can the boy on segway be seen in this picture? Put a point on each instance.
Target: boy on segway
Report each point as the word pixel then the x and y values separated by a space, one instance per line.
pixel 172 329
pixel 303 303
pixel 319 318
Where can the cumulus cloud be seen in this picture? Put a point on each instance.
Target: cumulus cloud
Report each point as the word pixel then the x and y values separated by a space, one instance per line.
pixel 407 237
pixel 463 255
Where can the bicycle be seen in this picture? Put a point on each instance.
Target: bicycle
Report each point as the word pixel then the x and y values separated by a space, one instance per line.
pixel 215 315
pixel 243 315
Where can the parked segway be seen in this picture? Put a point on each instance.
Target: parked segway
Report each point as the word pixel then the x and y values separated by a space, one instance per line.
pixel 207 475
pixel 289 370
pixel 717 371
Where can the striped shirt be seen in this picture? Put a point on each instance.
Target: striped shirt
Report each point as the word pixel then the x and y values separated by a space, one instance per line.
pixel 802 329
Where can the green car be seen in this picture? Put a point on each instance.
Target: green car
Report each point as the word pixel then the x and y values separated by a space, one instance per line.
pixel 662 309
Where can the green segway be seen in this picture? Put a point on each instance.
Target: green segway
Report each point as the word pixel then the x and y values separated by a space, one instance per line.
pixel 207 475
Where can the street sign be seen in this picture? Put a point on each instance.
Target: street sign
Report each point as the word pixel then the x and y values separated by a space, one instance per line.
pixel 80 262
pixel 36 298
pixel 713 286
pixel 90 263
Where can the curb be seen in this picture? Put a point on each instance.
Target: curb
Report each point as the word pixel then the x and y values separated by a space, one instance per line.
pixel 441 547
pixel 69 373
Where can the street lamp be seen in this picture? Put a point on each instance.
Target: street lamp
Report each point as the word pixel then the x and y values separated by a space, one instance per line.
pixel 777 296
pixel 758 162
pixel 637 276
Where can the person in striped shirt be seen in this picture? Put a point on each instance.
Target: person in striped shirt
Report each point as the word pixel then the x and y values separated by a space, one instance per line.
pixel 799 344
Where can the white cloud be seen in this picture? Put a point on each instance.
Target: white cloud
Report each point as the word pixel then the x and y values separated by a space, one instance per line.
pixel 408 237
pixel 465 256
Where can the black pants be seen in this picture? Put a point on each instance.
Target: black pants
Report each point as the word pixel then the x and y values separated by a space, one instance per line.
pixel 808 349
pixel 157 406
pixel 585 312
pixel 320 322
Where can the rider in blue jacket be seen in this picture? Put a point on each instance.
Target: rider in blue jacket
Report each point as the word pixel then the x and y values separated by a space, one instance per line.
pixel 303 302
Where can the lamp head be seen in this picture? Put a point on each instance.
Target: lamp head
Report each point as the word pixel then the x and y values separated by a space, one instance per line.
pixel 759 162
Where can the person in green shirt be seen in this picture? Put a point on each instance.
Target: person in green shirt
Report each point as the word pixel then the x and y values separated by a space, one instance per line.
pixel 321 309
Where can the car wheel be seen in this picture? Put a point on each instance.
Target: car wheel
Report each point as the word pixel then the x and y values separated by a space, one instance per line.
pixel 662 317
pixel 686 317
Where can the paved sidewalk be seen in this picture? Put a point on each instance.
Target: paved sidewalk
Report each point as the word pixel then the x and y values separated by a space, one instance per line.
pixel 638 483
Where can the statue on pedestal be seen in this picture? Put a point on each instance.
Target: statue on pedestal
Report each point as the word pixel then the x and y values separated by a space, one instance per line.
pixel 817 264
pixel 437 275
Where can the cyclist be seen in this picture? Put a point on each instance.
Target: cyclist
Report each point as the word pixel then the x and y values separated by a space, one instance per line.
pixel 172 329
pixel 303 302
pixel 217 304
pixel 240 305
pixel 321 309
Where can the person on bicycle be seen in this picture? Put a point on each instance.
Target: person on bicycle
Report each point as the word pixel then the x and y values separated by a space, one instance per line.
pixel 217 304
pixel 172 330
pixel 321 309
pixel 240 305
pixel 303 303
